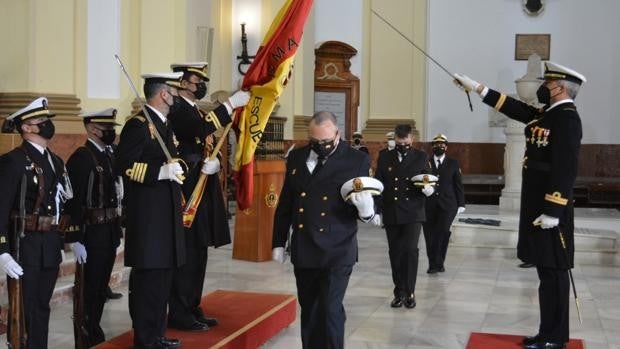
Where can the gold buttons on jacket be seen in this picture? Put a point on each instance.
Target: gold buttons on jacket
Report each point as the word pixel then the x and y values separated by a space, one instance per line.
pixel 321 230
pixel 395 178
pixel 395 198
pixel 303 193
pixel 300 226
pixel 395 188
pixel 301 209
pixel 322 214
pixel 324 198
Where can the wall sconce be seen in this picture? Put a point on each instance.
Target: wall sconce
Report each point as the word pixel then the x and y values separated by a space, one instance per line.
pixel 244 58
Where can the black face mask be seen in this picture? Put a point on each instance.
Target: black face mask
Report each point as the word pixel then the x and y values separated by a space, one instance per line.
pixel 439 151
pixel 108 136
pixel 322 149
pixel 46 129
pixel 403 148
pixel 544 95
pixel 201 90
pixel 357 141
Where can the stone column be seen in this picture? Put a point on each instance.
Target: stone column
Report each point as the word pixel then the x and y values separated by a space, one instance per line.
pixel 513 157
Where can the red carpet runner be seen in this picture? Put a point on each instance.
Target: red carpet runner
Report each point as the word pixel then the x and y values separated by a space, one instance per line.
pixel 505 341
pixel 247 320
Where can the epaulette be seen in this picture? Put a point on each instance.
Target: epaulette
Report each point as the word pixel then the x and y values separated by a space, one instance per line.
pixel 139 117
pixel 570 109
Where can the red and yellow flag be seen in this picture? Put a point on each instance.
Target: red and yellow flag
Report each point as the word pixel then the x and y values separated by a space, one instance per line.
pixel 266 78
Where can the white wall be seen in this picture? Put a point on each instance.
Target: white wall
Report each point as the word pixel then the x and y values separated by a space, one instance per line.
pixel 342 21
pixel 477 38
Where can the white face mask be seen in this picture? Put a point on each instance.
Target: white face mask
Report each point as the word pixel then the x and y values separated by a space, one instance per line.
pixel 391 144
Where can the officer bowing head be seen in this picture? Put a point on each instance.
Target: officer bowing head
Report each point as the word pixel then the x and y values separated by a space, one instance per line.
pixel 323 134
pixel 403 138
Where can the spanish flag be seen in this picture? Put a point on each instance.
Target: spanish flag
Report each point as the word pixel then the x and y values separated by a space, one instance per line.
pixel 266 78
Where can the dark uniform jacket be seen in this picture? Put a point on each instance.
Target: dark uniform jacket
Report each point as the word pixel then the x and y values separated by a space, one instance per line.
pixel 449 193
pixel 154 228
pixel 85 162
pixel 324 225
pixel 36 248
pixel 401 202
pixel 552 139
pixel 191 128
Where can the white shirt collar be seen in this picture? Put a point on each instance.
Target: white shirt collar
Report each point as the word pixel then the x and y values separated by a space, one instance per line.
pixel 38 147
pixel 158 113
pixel 192 103
pixel 440 158
pixel 96 145
pixel 567 100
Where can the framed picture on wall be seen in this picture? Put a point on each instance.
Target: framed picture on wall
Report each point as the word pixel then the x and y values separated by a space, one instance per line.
pixel 526 44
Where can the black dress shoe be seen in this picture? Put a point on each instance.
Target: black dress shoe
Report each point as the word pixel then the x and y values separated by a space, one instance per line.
pixel 397 302
pixel 209 321
pixel 197 326
pixel 529 340
pixel 526 265
pixel 441 270
pixel 432 271
pixel 410 302
pixel 170 343
pixel 113 295
pixel 544 345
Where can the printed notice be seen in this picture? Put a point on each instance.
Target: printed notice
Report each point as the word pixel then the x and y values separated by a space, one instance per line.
pixel 335 102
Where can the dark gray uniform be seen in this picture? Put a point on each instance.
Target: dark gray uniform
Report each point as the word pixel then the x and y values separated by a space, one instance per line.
pixel 553 139
pixel 324 240
pixel 40 247
pixel 154 240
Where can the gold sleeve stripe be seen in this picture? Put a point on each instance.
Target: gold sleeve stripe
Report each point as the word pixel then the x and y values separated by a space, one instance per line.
pixel 556 198
pixel 500 102
pixel 211 117
pixel 137 172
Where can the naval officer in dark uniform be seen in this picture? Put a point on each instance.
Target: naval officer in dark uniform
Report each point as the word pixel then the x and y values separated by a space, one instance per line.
pixel 553 137
pixel 402 211
pixel 324 239
pixel 447 201
pixel 193 128
pixel 154 239
pixel 33 170
pixel 95 212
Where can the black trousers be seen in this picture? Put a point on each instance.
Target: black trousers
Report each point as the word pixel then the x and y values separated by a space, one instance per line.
pixel 188 283
pixel 553 298
pixel 149 290
pixel 403 248
pixel 37 289
pixel 101 254
pixel 320 293
pixel 437 233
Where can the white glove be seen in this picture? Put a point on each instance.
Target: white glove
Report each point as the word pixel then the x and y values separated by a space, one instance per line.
pixel 211 166
pixel 79 251
pixel 170 171
pixel 277 254
pixel 465 83
pixel 120 190
pixel 428 190
pixel 376 220
pixel 460 210
pixel 239 99
pixel 546 222
pixel 364 203
pixel 10 266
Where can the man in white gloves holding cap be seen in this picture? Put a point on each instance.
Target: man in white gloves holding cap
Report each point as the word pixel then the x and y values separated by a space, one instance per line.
pixel 553 137
pixel 402 211
pixel 324 239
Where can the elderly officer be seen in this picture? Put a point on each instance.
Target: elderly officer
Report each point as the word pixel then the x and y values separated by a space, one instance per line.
pixel 94 212
pixel 324 239
pixel 553 137
pixel 192 129
pixel 34 185
pixel 402 211
pixel 447 201
pixel 155 241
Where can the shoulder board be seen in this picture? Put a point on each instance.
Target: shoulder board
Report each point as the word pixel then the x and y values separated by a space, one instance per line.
pixel 570 108
pixel 138 117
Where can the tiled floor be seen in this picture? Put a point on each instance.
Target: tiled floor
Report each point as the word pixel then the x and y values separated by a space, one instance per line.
pixel 481 290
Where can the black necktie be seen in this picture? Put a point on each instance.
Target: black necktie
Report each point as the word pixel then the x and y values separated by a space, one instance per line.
pixel 319 165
